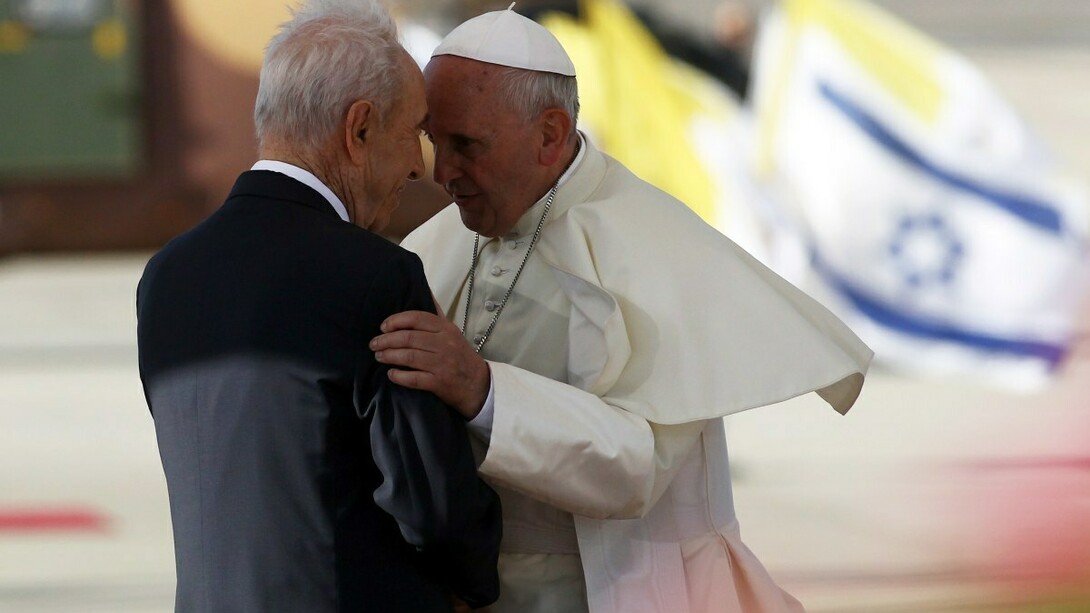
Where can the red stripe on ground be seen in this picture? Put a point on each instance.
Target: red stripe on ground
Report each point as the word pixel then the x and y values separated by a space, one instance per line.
pixel 51 520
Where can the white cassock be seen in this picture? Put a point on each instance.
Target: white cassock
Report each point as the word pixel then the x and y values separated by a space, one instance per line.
pixel 634 328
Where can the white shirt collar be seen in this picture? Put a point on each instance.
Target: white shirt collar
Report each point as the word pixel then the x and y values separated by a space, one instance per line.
pixel 306 178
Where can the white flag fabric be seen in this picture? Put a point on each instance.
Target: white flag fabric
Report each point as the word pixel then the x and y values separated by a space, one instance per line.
pixel 930 217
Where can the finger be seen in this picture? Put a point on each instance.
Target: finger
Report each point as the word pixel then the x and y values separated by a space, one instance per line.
pixel 432 342
pixel 418 320
pixel 402 339
pixel 427 382
pixel 409 358
pixel 413 379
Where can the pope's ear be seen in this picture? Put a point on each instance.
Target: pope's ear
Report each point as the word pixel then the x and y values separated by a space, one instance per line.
pixel 359 123
pixel 556 127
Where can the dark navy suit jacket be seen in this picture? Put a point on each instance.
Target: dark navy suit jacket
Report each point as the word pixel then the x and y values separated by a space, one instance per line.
pixel 300 479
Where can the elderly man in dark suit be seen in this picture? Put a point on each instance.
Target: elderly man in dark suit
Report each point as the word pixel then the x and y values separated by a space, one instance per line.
pixel 300 478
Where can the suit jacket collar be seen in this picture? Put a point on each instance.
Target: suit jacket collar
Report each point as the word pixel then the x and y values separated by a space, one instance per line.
pixel 270 185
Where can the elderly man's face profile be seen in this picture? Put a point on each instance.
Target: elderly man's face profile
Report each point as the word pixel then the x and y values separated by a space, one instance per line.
pixel 485 155
pixel 394 154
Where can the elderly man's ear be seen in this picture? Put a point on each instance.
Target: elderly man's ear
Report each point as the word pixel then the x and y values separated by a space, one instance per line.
pixel 555 127
pixel 359 120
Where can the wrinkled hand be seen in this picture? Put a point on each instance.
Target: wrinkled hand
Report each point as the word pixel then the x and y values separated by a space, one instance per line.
pixel 433 356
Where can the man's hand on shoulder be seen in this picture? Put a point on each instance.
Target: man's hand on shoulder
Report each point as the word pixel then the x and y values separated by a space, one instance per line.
pixel 430 354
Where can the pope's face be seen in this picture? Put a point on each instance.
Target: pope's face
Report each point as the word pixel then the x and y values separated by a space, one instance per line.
pixel 485 152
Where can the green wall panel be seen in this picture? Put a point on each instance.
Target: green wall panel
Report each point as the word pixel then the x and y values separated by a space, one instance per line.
pixel 69 90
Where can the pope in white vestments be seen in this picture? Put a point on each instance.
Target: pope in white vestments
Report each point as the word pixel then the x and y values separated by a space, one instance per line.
pixel 627 328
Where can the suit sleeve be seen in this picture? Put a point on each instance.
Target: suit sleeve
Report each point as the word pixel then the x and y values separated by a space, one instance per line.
pixel 430 483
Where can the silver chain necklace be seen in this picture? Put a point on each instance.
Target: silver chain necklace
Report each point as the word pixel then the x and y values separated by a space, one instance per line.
pixel 478 345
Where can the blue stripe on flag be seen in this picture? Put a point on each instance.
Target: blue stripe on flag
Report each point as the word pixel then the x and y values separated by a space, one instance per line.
pixel 930 330
pixel 1031 211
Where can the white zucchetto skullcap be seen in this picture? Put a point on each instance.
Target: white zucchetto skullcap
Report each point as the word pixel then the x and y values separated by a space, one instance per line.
pixel 507 39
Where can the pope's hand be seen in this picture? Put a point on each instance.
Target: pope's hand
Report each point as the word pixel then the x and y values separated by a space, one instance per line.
pixel 433 356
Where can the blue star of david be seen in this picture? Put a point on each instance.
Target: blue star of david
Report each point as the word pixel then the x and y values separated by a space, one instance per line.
pixel 926 250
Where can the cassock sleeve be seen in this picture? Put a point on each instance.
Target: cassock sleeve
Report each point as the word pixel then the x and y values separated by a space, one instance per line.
pixel 430 484
pixel 587 455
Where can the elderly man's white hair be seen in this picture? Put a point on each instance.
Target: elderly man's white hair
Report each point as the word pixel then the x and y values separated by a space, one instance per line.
pixel 329 54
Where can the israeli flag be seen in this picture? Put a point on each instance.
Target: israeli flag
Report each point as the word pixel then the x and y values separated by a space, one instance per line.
pixel 926 212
